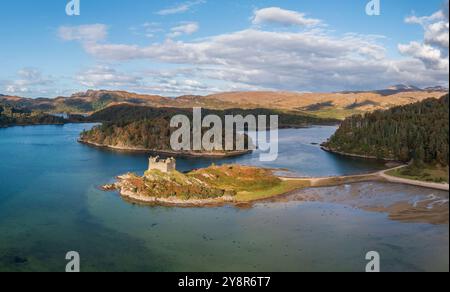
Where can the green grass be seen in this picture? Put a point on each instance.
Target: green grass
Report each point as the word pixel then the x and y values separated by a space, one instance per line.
pixel 249 183
pixel 245 183
pixel 335 113
pixel 281 188
pixel 427 173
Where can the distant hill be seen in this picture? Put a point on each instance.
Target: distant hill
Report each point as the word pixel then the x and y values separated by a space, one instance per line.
pixel 404 87
pixel 125 113
pixel 418 132
pixel 436 88
pixel 330 105
pixel 85 102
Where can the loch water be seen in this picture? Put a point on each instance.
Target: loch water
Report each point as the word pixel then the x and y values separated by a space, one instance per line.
pixel 50 203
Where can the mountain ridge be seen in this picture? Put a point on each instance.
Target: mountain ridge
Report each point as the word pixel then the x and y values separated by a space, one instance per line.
pixel 338 104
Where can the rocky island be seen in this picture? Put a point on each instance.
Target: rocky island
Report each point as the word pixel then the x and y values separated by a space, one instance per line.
pixel 215 185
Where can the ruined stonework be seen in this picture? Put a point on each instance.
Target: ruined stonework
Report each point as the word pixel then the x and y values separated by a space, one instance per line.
pixel 166 166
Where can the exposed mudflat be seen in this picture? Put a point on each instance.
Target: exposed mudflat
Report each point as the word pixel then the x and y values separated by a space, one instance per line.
pixel 400 202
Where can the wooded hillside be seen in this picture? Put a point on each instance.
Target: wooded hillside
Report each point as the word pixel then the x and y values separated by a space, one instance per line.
pixel 416 132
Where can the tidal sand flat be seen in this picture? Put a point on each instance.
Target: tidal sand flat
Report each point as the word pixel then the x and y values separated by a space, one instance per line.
pixel 400 202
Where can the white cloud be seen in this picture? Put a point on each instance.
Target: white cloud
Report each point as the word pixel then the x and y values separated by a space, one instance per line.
pixel 430 56
pixel 147 29
pixel 433 51
pixel 28 80
pixel 104 76
pixel 181 8
pixel 187 28
pixel 309 60
pixel 83 33
pixel 174 87
pixel 276 15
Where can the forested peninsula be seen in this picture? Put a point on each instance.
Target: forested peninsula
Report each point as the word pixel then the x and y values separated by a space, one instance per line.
pixel 417 134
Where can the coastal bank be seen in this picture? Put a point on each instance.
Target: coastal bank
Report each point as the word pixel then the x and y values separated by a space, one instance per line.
pixel 168 153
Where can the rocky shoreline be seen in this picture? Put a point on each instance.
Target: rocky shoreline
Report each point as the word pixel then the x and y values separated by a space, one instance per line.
pixel 330 150
pixel 183 154
pixel 5 126
pixel 135 197
pixel 389 178
pixel 173 201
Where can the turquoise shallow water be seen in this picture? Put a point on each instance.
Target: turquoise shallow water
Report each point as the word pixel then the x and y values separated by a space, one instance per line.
pixel 50 204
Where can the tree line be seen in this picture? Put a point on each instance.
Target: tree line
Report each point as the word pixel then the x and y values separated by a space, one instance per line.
pixel 10 116
pixel 149 127
pixel 416 132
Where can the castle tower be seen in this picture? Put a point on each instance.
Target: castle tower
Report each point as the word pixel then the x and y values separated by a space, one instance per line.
pixel 166 166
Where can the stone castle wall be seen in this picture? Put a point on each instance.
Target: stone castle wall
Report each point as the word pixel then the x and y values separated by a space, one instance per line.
pixel 167 165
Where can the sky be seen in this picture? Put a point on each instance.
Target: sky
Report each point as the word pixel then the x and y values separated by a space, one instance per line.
pixel 202 47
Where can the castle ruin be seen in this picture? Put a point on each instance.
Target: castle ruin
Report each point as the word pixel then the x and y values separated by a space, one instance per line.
pixel 166 165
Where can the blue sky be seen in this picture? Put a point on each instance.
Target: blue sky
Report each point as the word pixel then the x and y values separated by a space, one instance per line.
pixel 206 46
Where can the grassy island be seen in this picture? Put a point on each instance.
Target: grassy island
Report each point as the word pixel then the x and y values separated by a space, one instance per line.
pixel 212 185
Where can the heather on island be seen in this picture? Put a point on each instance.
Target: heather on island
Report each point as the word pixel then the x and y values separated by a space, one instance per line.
pixel 163 184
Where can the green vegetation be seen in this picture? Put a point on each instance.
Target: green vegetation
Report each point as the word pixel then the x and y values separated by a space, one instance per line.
pixel 127 126
pixel 17 117
pixel 328 110
pixel 335 113
pixel 166 185
pixel 428 173
pixel 242 183
pixel 249 183
pixel 259 194
pixel 417 132
pixel 236 177
pixel 124 114
pixel 150 134
pixel 77 103
pixel 357 104
pixel 145 134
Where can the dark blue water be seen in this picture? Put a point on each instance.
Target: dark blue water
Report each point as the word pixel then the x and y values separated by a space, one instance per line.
pixel 300 153
pixel 50 204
